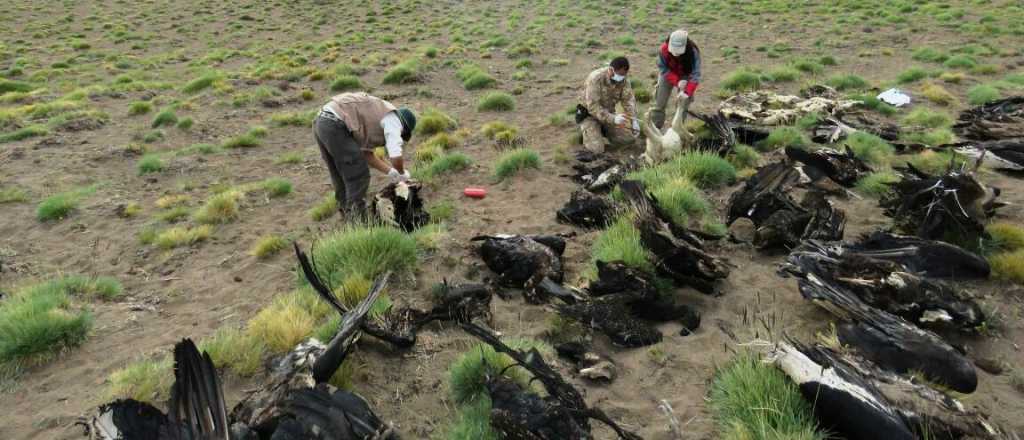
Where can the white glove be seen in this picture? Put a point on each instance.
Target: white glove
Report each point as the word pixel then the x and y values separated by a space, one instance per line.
pixel 683 95
pixel 636 125
pixel 405 176
pixel 620 119
pixel 394 175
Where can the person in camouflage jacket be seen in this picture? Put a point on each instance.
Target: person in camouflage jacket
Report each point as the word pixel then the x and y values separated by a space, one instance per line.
pixel 603 90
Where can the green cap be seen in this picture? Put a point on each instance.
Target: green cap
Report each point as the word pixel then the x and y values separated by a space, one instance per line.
pixel 408 121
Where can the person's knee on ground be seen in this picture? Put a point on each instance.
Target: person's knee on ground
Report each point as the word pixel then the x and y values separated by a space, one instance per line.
pixel 621 137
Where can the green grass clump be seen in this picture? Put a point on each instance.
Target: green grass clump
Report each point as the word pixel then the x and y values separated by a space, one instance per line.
pixel 474 78
pixel 324 209
pixel 930 55
pixel 754 400
pixel 935 161
pixel 490 130
pixel 182 236
pixel 983 93
pixel 443 164
pixel 1008 266
pixel 467 376
pixel 174 215
pixel 937 94
pixel 185 123
pixel 960 62
pixel 276 187
pixel 876 184
pixel 496 102
pixel 441 141
pixel 924 117
pixel 12 195
pixel 202 83
pixel 434 121
pixel 366 251
pixel 232 348
pixel 808 66
pixel 150 163
pixel 741 80
pixel 146 381
pixel 681 200
pixel 8 86
pixel 783 137
pixel 870 148
pixel 221 208
pixel 345 83
pixel 442 211
pixel 294 119
pixel 744 156
pixel 246 140
pixel 23 133
pixel 166 117
pixel 847 82
pixel 1005 236
pixel 140 108
pixel 621 242
pixel 40 321
pixel 514 161
pixel 912 74
pixel 59 206
pixel 705 169
pixel 282 325
pixel 872 102
pixel 473 422
pixel 405 72
pixel 782 74
pixel 268 246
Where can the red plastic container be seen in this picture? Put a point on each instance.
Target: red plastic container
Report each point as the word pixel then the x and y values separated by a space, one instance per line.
pixel 476 193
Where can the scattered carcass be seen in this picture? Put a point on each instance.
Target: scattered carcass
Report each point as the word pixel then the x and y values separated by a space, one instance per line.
pixel 600 173
pixel 768 108
pixel 662 146
pixel 521 414
pixel 296 404
pixel 926 257
pixel 997 120
pixel 841 167
pixel 886 339
pixel 399 204
pixel 524 261
pixel 679 253
pixel 587 210
pixel 856 400
pixel 1004 154
pixel 952 207
pixel 779 221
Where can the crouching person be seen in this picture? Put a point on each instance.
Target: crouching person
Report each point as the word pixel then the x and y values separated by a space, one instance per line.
pixel 347 130
pixel 600 122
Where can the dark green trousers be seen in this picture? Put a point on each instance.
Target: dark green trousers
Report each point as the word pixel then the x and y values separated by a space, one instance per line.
pixel 350 174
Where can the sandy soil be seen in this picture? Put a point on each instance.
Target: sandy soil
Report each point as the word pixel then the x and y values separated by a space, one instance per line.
pixel 190 292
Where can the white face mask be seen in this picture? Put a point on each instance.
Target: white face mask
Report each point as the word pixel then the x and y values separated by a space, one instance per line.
pixel 618 78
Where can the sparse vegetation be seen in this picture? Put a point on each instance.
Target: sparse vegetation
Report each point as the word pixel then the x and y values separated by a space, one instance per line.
pixel 876 184
pixel 146 381
pixel 783 137
pixel 182 236
pixel 150 163
pixel 496 102
pixel 621 242
pixel 434 121
pixel 366 251
pixel 983 93
pixel 220 208
pixel 847 82
pixel 59 206
pixel 268 246
pixel 514 161
pixel 872 149
pixel 741 80
pixel 443 164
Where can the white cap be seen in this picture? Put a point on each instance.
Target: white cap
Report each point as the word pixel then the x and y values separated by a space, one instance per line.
pixel 677 42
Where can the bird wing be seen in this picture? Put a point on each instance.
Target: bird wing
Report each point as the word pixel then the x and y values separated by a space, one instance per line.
pixel 197 401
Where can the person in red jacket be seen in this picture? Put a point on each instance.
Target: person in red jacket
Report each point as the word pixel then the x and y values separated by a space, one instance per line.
pixel 679 67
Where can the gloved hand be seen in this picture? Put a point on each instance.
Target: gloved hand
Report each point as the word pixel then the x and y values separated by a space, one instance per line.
pixel 636 125
pixel 620 119
pixel 405 176
pixel 394 175
pixel 683 95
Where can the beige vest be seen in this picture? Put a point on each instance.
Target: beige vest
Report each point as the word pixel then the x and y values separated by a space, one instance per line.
pixel 362 114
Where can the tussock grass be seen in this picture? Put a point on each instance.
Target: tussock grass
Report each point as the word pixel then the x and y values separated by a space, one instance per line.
pixel 474 78
pixel 236 350
pixel 294 119
pixel 165 117
pixel 140 108
pixel 172 200
pixel 782 74
pixel 467 375
pixel 983 93
pixel 9 86
pixel 936 162
pixel 870 148
pixel 744 156
pixel 741 80
pixel 150 163
pixel 847 82
pixel 147 380
pixel 282 325
pixel 182 236
pixel 621 242
pixel 324 209
pixel 251 138
pixel 938 94
pixel 496 102
pixel 346 83
pixel 434 121
pixel 405 72
pixel 366 251
pixel 512 162
pixel 876 184
pixel 925 117
pixel 913 74
pixel 185 123
pixel 681 200
pixel 783 137
pixel 24 133
pixel 441 211
pixel 441 141
pixel 1008 266
pixel 201 83
pixel 960 62
pixel 808 66
pixel 443 164
pixel 872 102
pixel 1005 236
pixel 753 400
pixel 174 215
pixel 59 206
pixel 220 208
pixel 930 55
pixel 275 187
pixel 12 195
pixel 473 422
pixel 268 246
pixel 289 159
pixel 706 170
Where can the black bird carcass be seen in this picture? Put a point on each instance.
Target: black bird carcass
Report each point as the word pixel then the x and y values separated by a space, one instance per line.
pixel 841 167
pixel 520 414
pixel 587 210
pixel 952 207
pixel 779 221
pixel 993 133
pixel 399 204
pixel 679 253
pixel 882 337
pixel 524 261
pixel 926 257
pixel 856 400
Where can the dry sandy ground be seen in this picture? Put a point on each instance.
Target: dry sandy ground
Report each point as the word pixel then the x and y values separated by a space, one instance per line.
pixel 190 292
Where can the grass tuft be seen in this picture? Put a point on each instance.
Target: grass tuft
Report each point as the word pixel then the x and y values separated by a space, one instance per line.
pixel 514 161
pixel 405 72
pixel 783 137
pixel 1005 236
pixel 221 208
pixel 936 162
pixel 202 83
pixel 468 374
pixel 847 82
pixel 366 251
pixel 937 94
pixel 927 118
pixel 870 148
pixel 59 206
pixel 474 78
pixel 324 209
pixel 282 325
pixel 146 381
pixel 496 102
pixel 741 80
pixel 346 83
pixel 166 117
pixel 913 74
pixel 754 400
pixel 232 348
pixel 982 93
pixel 744 156
pixel 1008 266
pixel 621 242
pixel 876 184
pixel 150 163
pixel 182 236
pixel 268 246
pixel 443 164
pixel 12 195
pixel 434 121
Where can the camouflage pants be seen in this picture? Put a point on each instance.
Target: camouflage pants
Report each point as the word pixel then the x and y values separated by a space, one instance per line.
pixel 596 136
